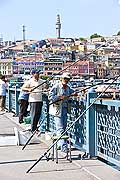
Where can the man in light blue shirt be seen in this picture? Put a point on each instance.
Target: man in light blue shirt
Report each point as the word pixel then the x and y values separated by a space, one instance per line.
pixel 23 105
pixel 59 94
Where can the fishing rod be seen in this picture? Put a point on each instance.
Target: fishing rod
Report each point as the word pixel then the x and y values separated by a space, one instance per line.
pixel 77 90
pixel 82 90
pixel 60 99
pixel 67 97
pixel 33 133
pixel 84 57
pixel 42 92
pixel 52 145
pixel 29 138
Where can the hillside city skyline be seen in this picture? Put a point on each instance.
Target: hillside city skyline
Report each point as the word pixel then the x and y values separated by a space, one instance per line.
pixel 79 18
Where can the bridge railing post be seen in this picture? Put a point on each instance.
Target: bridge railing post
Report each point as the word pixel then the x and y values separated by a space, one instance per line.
pixel 91 125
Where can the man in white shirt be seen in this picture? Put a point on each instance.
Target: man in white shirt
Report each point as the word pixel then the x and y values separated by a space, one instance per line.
pixel 35 98
pixel 3 87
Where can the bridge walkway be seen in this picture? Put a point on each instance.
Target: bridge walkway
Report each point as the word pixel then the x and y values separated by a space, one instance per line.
pixel 14 162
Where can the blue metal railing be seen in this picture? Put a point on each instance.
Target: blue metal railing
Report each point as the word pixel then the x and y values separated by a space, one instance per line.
pixel 97 132
pixel 108 130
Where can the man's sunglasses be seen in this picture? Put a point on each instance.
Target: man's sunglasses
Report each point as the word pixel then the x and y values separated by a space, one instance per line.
pixel 66 78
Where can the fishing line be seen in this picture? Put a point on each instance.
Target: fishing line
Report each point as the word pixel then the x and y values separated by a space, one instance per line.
pixel 52 145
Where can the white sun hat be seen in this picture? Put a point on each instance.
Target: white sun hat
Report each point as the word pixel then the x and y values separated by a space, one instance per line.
pixel 66 75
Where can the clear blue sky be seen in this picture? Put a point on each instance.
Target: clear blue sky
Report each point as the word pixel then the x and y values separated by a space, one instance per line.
pixel 79 18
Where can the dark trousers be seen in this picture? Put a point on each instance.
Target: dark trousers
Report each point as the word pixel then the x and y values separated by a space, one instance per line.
pixel 2 102
pixel 35 113
pixel 23 105
pixel 4 99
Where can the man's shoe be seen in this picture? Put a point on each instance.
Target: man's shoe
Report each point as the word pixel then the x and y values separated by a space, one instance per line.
pixel 59 148
pixel 65 150
pixel 21 122
pixel 38 133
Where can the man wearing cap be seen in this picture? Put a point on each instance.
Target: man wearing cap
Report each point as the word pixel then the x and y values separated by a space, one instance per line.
pixel 59 94
pixel 35 98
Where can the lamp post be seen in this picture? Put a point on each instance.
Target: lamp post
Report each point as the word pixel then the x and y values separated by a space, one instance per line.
pixel 24 37
pixel 35 59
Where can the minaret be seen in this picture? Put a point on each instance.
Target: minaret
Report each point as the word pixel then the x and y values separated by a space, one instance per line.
pixel 24 36
pixel 58 26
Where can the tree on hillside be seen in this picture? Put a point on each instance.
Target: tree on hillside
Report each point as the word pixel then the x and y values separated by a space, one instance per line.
pixel 82 39
pixel 103 39
pixel 95 35
pixel 118 34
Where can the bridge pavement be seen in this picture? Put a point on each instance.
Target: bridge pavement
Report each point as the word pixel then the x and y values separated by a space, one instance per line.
pixel 14 162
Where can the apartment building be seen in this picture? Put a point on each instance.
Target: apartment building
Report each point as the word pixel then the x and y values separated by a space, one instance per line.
pixel 53 65
pixel 81 68
pixel 6 67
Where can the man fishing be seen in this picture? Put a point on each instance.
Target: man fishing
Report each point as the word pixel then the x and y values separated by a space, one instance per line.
pixel 59 94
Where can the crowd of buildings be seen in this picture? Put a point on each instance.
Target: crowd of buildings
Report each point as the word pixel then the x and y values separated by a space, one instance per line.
pixel 52 55
pixel 96 57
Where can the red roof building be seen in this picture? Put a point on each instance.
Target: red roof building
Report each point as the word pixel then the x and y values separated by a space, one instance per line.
pixel 81 68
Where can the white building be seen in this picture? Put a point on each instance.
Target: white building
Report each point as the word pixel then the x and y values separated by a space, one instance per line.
pixel 6 66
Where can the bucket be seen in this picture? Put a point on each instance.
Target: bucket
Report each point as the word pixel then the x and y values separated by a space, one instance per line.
pixel 27 120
